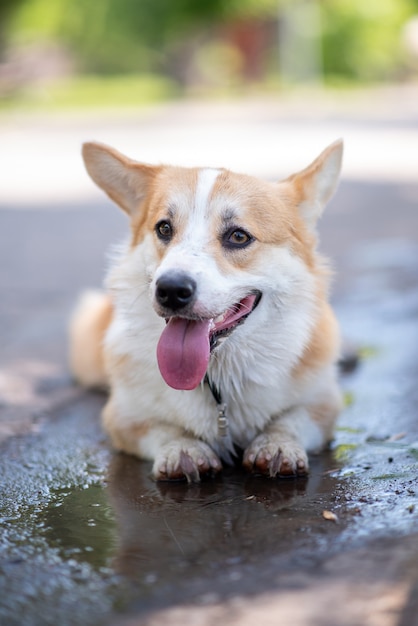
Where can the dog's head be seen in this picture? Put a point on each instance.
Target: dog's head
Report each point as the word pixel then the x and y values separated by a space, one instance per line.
pixel 220 247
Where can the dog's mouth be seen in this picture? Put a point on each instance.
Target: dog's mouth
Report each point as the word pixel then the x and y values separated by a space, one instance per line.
pixel 224 324
pixel 185 344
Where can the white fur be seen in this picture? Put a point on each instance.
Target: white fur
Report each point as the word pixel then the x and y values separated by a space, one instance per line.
pixel 205 183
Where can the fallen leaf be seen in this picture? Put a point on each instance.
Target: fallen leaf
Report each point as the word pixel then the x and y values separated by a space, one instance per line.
pixel 397 436
pixel 330 516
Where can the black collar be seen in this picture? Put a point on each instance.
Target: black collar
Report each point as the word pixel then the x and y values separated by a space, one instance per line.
pixel 216 393
pixel 222 417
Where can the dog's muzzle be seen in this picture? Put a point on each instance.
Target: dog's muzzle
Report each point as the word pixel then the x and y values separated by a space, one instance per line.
pixel 185 345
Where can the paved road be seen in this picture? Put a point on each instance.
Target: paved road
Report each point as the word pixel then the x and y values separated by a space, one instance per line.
pixel 86 536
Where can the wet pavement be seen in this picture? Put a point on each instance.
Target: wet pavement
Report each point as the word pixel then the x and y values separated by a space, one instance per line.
pixel 88 538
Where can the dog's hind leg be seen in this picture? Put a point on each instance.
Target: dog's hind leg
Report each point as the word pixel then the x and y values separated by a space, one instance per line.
pixel 88 325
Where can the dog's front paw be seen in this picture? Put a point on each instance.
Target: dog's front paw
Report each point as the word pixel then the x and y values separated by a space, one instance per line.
pixel 268 455
pixel 185 459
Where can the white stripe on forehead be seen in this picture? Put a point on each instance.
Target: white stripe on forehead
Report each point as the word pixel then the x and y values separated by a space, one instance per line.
pixel 205 182
pixel 191 213
pixel 196 226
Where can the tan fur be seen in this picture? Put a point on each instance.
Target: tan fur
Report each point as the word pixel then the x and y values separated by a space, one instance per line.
pixel 322 349
pixel 88 326
pixel 124 439
pixel 323 344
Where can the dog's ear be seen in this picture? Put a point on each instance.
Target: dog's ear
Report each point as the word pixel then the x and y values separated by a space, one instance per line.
pixel 125 181
pixel 315 185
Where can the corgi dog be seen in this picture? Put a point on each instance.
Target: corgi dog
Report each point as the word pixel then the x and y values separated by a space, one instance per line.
pixel 215 336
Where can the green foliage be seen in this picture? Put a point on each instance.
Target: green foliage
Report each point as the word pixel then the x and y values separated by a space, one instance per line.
pixel 7 9
pixel 114 35
pixel 129 35
pixel 362 39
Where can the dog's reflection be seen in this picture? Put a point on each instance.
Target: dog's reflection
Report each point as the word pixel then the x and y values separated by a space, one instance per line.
pixel 168 527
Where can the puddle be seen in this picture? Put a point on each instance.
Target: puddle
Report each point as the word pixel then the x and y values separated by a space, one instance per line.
pixel 81 525
pixel 125 540
pixel 167 528
pixel 150 543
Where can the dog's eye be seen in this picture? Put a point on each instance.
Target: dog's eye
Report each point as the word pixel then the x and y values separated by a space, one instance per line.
pixel 164 230
pixel 237 238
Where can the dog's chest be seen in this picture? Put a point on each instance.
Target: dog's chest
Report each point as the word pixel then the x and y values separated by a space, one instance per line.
pixel 238 415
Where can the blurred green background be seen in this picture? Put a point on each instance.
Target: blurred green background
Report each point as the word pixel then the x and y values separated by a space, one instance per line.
pixel 58 53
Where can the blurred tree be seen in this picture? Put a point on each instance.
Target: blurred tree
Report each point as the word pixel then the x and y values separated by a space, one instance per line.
pixel 7 9
pixel 126 35
pixel 359 39
pixel 363 39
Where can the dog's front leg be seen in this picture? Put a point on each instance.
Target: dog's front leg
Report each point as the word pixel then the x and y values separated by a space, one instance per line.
pixel 176 454
pixel 281 450
pixel 181 457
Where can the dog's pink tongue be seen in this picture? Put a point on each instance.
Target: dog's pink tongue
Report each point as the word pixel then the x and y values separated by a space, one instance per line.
pixel 183 352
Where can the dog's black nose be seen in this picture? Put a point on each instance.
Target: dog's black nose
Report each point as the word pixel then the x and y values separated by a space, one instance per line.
pixel 175 291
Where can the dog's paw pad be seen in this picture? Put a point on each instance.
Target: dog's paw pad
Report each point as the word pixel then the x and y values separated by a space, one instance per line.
pixel 186 460
pixel 271 458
